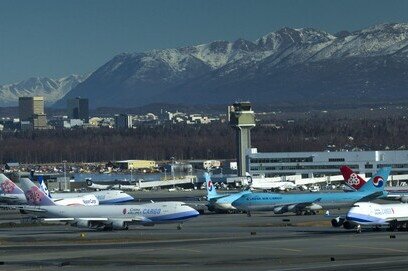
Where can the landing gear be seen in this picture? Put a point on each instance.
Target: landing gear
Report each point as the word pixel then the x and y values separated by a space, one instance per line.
pixel 249 214
pixel 179 226
pixel 393 225
pixel 307 212
pixel 358 229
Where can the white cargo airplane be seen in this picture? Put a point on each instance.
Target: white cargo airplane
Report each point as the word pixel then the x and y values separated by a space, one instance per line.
pixel 263 183
pixel 14 194
pixel 107 217
pixel 368 214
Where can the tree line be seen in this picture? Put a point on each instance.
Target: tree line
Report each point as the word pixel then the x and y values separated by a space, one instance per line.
pixel 212 141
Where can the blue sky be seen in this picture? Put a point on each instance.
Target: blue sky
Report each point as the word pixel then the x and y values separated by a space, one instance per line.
pixel 56 38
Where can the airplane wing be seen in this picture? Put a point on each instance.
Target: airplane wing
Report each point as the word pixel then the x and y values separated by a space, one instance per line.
pixel 67 219
pixel 26 208
pixel 290 207
pixel 372 196
pixel 8 197
pixel 399 219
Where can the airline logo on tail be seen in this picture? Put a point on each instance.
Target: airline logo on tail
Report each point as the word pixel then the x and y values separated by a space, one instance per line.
pixel 44 186
pixel 351 178
pixel 210 185
pixel 34 195
pixel 7 186
pixel 378 181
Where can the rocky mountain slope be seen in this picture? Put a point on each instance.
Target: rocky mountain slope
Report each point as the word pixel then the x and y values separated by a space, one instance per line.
pixel 52 89
pixel 289 65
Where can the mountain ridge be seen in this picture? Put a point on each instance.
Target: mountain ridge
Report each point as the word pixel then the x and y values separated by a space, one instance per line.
pixel 51 89
pixel 289 65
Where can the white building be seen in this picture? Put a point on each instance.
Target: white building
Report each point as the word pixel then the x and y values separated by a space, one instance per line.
pixel 318 164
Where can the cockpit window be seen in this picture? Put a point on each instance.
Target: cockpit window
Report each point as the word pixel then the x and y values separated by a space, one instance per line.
pixel 356 205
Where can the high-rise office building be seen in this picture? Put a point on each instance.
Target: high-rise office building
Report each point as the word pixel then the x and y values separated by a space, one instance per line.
pixel 123 121
pixel 78 108
pixel 31 109
pixel 30 106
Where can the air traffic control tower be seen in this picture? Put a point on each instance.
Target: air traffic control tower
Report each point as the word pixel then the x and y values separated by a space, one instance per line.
pixel 242 119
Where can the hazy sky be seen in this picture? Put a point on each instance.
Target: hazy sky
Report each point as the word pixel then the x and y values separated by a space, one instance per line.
pixel 57 38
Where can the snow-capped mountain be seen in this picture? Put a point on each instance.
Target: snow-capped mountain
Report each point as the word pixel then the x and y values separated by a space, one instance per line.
pixel 52 89
pixel 287 65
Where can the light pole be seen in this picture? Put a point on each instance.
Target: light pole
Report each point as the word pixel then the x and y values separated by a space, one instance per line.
pixel 65 175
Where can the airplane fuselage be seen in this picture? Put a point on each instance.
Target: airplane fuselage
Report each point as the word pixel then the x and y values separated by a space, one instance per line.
pixel 368 213
pixel 104 197
pixel 270 201
pixel 151 212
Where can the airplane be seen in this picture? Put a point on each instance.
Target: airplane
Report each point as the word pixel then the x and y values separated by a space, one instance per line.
pixel 262 183
pixel 10 193
pixel 259 184
pixel 308 203
pixel 92 185
pixel 368 214
pixel 15 194
pixel 107 217
pixel 220 202
pixel 87 199
pixel 98 187
pixel 355 181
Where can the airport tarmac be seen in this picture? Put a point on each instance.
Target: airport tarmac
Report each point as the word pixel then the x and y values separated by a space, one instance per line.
pixel 208 242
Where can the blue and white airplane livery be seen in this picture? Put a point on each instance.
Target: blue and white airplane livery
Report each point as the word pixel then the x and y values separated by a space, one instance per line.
pixel 370 214
pixel 307 202
pixel 103 217
pixel 220 202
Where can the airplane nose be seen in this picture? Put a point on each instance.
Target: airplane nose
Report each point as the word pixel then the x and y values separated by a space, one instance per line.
pixel 192 211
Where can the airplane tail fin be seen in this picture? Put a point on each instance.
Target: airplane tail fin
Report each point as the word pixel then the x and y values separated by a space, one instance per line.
pixel 43 186
pixel 9 187
pixel 377 182
pixel 34 195
pixel 351 178
pixel 211 192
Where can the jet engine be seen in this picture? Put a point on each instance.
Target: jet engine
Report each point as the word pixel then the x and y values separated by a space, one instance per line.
pixel 337 222
pixel 82 224
pixel 404 199
pixel 314 207
pixel 119 225
pixel 280 210
pixel 348 226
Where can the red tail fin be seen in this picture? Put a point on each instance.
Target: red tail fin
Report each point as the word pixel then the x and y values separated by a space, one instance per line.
pixel 351 178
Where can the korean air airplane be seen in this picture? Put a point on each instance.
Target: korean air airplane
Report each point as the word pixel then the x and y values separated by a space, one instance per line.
pixel 356 182
pixel 220 202
pixel 104 217
pixel 310 202
pixel 368 214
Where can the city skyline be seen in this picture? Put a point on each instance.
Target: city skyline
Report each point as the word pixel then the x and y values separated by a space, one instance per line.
pixel 55 38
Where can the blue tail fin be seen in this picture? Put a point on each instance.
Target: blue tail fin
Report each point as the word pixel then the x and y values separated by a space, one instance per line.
pixel 377 182
pixel 43 186
pixel 34 195
pixel 211 192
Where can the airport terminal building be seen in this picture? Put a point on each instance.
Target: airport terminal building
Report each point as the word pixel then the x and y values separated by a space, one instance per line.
pixel 319 164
